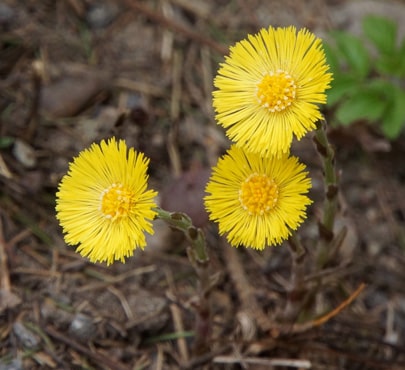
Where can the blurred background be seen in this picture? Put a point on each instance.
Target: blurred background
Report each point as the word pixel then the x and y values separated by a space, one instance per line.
pixel 77 71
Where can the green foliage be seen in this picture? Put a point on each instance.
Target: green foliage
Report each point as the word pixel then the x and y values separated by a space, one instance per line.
pixel 369 76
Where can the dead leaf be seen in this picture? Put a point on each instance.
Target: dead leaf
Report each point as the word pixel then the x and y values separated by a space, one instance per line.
pixel 71 93
pixel 4 171
pixel 8 300
pixel 24 153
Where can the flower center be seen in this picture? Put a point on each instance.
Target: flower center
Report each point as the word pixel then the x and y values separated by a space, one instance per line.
pixel 258 194
pixel 276 91
pixel 116 201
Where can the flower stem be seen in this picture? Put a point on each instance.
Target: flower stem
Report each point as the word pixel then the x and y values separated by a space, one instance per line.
pixel 326 225
pixel 297 290
pixel 194 235
pixel 198 257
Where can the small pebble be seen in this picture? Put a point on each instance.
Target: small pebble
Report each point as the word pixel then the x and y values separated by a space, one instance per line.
pixel 101 15
pixel 27 338
pixel 7 15
pixel 15 364
pixel 24 153
pixel 83 328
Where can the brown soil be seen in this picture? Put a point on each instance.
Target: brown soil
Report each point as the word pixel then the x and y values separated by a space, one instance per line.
pixel 78 71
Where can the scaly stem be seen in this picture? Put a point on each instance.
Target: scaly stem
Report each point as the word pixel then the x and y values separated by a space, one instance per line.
pixel 194 235
pixel 297 290
pixel 197 254
pixel 326 226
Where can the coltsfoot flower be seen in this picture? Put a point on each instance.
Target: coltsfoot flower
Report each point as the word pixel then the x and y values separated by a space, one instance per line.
pixel 257 201
pixel 269 89
pixel 103 203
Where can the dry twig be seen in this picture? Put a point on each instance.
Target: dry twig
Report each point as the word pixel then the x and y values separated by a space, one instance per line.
pixel 300 328
pixel 4 273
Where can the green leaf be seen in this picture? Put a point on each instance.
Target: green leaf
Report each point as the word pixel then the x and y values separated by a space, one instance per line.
pixel 394 118
pixel 341 87
pixel 382 32
pixel 381 87
pixel 391 65
pixel 332 59
pixel 366 105
pixel 354 52
pixel 401 58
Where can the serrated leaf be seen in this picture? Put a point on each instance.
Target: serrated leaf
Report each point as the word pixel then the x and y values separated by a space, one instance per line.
pixel 382 32
pixel 354 52
pixel 394 118
pixel 365 105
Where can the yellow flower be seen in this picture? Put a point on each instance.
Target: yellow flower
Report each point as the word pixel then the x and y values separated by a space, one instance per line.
pixel 269 88
pixel 103 203
pixel 256 200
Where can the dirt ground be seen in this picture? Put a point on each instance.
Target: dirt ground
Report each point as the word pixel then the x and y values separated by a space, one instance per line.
pixel 78 71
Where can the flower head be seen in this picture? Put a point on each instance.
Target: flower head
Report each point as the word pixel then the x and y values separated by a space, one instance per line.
pixel 269 88
pixel 103 204
pixel 256 200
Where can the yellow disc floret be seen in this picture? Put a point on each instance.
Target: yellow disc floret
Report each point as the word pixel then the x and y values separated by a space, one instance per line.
pixel 276 91
pixel 117 202
pixel 258 194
